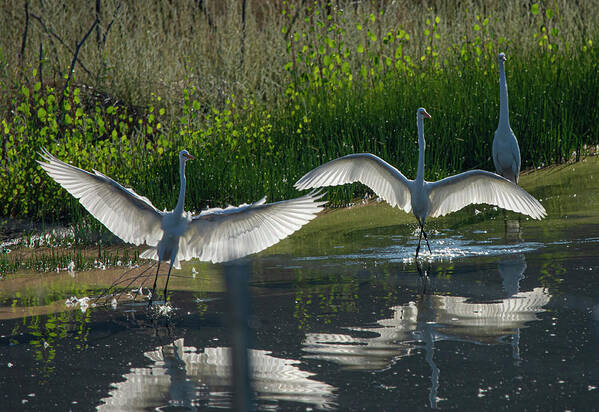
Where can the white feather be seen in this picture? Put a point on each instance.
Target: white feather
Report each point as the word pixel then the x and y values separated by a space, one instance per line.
pixel 385 180
pixel 131 217
pixel 219 235
pixel 479 186
pixel 419 196
pixel 215 235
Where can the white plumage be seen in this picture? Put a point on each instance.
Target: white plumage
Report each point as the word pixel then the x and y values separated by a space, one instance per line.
pixel 506 152
pixel 215 235
pixel 419 196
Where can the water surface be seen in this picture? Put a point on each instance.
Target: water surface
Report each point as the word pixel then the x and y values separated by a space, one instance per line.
pixel 499 316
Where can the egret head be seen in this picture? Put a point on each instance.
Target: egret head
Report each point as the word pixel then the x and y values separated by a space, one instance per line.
pixel 502 57
pixel 422 113
pixel 185 156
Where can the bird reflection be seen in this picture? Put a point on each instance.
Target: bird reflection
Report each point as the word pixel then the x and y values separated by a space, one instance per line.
pixel 417 326
pixel 513 232
pixel 511 269
pixel 423 273
pixel 189 378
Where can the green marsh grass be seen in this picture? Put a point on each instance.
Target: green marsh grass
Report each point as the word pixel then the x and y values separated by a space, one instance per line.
pixel 316 82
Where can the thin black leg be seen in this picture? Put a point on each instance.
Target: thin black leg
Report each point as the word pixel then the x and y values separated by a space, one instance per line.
pixel 154 287
pixel 419 240
pixel 167 278
pixel 426 238
pixel 423 273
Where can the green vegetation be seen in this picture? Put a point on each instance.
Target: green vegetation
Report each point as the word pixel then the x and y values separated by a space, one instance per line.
pixel 297 83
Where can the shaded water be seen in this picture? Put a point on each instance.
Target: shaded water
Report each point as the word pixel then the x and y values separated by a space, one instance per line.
pixel 495 318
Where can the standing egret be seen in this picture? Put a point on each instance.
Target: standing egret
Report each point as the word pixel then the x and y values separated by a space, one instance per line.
pixel 506 153
pixel 215 235
pixel 419 196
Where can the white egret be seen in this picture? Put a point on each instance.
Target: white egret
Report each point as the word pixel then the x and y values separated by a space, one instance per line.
pixel 419 196
pixel 506 153
pixel 215 235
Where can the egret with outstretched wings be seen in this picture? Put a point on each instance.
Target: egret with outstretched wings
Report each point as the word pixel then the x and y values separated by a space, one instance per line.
pixel 419 196
pixel 215 235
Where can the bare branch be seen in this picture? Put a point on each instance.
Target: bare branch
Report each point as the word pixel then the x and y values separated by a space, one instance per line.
pixel 72 68
pixel 41 59
pixel 57 37
pixel 294 18
pixel 98 29
pixel 204 9
pixel 243 4
pixel 116 11
pixel 24 40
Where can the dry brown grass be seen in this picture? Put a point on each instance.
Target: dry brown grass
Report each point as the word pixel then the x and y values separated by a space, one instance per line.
pixel 158 47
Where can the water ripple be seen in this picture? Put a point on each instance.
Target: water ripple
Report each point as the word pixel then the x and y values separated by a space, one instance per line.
pixel 443 249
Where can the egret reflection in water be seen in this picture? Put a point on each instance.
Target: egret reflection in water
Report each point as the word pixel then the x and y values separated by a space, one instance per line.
pixel 511 268
pixel 188 377
pixel 418 325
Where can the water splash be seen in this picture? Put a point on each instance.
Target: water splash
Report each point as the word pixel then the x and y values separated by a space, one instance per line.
pixel 443 249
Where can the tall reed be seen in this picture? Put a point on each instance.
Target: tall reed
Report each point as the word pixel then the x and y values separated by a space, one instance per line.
pixel 328 81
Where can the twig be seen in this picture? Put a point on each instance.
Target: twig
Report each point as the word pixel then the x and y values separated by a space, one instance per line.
pixel 40 67
pixel 110 24
pixel 98 29
pixel 243 4
pixel 119 280
pixel 57 62
pixel 294 18
pixel 57 37
pixel 204 9
pixel 72 68
pixel 24 40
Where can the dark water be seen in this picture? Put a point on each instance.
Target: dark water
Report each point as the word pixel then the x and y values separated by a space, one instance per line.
pixel 492 320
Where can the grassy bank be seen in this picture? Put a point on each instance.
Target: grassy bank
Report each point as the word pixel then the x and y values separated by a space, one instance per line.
pixel 568 192
pixel 311 82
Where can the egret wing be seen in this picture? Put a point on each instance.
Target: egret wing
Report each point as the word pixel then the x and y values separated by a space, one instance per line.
pixel 479 186
pixel 128 215
pixel 386 181
pixel 220 235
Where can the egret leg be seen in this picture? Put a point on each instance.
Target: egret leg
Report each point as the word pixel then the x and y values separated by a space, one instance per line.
pixel 419 240
pixel 167 277
pixel 154 287
pixel 423 273
pixel 426 238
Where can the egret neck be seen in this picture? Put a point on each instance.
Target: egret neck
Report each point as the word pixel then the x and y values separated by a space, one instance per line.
pixel 181 202
pixel 421 149
pixel 504 115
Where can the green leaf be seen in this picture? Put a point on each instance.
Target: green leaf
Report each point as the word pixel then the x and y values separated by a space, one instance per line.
pixel 534 9
pixel 41 113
